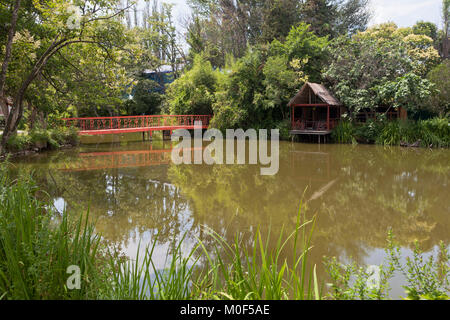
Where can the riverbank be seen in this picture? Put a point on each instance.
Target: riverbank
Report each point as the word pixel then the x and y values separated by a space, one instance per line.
pixel 25 143
pixel 432 133
pixel 42 252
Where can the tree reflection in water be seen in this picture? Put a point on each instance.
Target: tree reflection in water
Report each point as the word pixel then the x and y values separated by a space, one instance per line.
pixel 357 193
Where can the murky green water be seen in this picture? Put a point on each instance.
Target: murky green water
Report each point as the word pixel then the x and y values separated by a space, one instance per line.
pixel 134 192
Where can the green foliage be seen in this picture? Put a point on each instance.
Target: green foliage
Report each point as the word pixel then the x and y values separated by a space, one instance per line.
pixel 437 130
pixel 426 279
pixel 426 28
pixel 51 138
pixel 434 132
pixel 193 92
pixel 146 100
pixel 332 18
pixel 427 133
pixel 408 91
pixel 35 253
pixel 344 132
pixel 304 45
pixel 381 67
pixel 18 142
pixel 440 99
pixel 369 131
pixel 284 128
pixel 353 282
pixel 253 91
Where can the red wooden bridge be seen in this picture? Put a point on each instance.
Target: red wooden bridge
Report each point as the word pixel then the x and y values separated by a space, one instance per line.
pixel 115 125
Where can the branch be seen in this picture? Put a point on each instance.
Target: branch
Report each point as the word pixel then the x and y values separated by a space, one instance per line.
pixel 112 16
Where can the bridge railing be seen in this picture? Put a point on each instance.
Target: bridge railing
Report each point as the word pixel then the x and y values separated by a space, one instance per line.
pixel 128 122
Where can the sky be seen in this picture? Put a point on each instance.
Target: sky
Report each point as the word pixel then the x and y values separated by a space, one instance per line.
pixel 403 12
pixel 406 13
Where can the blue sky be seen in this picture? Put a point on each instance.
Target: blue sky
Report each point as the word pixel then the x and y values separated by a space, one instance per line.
pixel 403 12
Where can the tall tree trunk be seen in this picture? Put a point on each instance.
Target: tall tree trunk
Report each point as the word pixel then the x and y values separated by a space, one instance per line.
pixel 8 49
pixel 5 64
pixel 446 18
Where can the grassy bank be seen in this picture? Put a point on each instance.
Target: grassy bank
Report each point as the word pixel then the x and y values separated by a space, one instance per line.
pixel 423 133
pixel 40 139
pixel 38 246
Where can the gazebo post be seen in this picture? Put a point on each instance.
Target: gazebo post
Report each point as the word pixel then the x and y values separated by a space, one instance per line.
pixel 293 117
pixel 328 117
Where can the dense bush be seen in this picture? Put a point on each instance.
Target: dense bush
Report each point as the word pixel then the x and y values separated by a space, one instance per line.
pixel 344 132
pixel 440 99
pixel 426 133
pixel 40 138
pixel 193 92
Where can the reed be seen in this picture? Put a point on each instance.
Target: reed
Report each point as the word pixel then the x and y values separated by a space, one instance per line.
pixel 37 245
pixel 344 132
pixel 229 271
pixel 36 249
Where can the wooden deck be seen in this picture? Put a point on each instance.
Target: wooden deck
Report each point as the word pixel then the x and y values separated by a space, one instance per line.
pixel 311 132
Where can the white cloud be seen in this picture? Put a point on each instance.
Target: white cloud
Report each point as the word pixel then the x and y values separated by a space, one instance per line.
pixel 406 12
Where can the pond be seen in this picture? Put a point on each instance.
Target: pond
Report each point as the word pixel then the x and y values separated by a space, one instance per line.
pixel 357 192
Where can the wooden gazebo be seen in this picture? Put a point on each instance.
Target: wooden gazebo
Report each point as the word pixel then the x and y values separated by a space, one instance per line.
pixel 314 110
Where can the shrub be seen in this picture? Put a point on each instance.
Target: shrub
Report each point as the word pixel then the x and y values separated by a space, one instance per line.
pixel 345 132
pixel 436 131
pixel 18 142
pixel 284 127
pixel 64 135
pixel 193 92
pixel 426 279
pixel 369 131
pixel 52 138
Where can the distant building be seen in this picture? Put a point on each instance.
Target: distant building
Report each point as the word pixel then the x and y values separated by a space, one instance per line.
pixel 9 103
pixel 162 75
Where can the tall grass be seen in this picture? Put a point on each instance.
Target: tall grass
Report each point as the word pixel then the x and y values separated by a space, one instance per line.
pixel 229 271
pixel 344 132
pixel 427 133
pixel 35 249
pixel 37 245
pixel 434 132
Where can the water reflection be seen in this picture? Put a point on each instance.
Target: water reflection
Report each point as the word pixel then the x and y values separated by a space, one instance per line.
pixel 134 192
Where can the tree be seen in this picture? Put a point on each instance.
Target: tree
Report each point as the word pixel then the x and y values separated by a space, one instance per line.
pixel 254 90
pixel 440 100
pixel 193 92
pixel 426 28
pixel 53 25
pixel 446 29
pixel 303 44
pixel 409 91
pixel 381 67
pixel 146 98
pixel 277 18
pixel 336 17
